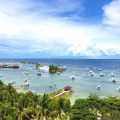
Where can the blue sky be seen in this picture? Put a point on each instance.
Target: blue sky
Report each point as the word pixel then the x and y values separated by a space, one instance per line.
pixel 60 28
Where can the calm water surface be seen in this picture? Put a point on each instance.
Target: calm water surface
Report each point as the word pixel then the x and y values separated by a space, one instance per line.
pixel 82 86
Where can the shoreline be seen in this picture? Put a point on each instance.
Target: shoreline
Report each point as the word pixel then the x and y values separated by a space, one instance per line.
pixel 70 95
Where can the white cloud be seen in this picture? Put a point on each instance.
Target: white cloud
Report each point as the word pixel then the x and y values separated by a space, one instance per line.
pixel 42 31
pixel 112 13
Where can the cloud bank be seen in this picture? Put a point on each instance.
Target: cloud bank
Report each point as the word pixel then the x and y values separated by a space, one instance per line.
pixel 56 29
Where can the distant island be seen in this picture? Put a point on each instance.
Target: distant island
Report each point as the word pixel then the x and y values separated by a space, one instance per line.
pixel 54 69
pixel 51 68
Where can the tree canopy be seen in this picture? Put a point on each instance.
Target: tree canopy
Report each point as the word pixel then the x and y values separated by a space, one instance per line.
pixel 30 106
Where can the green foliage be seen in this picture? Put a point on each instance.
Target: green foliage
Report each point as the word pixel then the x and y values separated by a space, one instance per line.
pixel 54 69
pixel 37 66
pixel 26 106
pixel 64 104
pixel 87 109
pixel 77 114
pixel 52 94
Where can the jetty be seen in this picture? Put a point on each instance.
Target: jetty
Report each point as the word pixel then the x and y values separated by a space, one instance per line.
pixel 25 85
pixel 66 89
pixel 15 66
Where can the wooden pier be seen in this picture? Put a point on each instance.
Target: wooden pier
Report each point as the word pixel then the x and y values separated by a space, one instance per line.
pixel 15 66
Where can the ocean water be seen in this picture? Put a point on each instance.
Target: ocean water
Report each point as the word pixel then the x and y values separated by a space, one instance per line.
pixel 82 86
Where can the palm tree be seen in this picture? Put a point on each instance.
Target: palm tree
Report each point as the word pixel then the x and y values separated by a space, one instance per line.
pixel 44 106
pixel 38 112
pixel 11 92
pixel 1 83
pixel 6 111
pixel 21 105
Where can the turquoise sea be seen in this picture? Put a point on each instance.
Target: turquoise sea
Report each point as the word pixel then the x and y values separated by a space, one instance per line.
pixel 82 86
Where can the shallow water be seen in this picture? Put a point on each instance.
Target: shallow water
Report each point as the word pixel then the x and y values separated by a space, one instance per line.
pixel 82 86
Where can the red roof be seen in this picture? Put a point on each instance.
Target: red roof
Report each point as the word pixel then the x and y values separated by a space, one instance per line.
pixel 67 88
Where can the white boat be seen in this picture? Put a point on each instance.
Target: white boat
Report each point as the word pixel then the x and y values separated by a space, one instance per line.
pixel 13 82
pixel 99 69
pixel 113 80
pixel 98 87
pixel 26 73
pixel 91 73
pixel 58 73
pixel 102 75
pixel 26 83
pixel 73 77
pixel 112 75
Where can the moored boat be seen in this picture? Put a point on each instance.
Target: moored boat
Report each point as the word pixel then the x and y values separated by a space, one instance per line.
pixel 102 75
pixel 98 87
pixel 39 74
pixel 73 77
pixel 91 73
pixel 113 80
pixel 112 74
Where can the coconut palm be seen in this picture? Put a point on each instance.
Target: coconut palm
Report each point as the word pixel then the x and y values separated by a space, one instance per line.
pixel 6 111
pixel 44 106
pixel 11 92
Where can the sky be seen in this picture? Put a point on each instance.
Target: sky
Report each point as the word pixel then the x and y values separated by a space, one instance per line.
pixel 60 29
